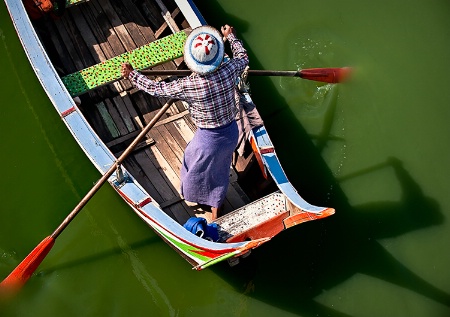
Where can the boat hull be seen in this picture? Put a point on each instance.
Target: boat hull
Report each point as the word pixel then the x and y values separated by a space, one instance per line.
pixel 200 253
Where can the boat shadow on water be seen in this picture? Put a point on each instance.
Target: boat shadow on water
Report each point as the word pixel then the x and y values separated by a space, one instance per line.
pixel 301 264
pixel 298 265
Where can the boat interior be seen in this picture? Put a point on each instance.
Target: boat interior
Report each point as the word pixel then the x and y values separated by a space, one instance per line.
pixel 94 32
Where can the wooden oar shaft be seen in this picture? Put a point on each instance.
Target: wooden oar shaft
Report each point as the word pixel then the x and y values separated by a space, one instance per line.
pixel 187 72
pixel 111 170
pixel 326 75
pixel 285 73
pixel 18 277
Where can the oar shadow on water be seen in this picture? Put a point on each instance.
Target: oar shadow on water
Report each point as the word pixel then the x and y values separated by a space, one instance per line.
pixel 299 265
pixel 324 136
pixel 100 256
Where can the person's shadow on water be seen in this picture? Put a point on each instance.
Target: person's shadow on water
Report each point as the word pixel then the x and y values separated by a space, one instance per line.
pixel 299 264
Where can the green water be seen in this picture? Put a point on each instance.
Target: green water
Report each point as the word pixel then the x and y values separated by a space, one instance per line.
pixel 373 148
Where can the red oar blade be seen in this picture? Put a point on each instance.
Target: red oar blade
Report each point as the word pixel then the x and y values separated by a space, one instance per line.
pixel 19 276
pixel 326 75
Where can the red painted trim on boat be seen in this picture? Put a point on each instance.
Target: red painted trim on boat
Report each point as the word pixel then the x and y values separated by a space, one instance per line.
pixel 124 196
pixel 145 202
pixel 203 250
pixel 67 112
pixel 266 150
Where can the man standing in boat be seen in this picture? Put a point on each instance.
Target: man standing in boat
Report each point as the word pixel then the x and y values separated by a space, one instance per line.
pixel 210 93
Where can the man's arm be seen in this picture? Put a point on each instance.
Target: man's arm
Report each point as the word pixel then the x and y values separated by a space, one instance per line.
pixel 154 88
pixel 239 52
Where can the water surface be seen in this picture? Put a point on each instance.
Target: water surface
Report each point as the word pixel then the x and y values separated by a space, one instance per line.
pixel 375 148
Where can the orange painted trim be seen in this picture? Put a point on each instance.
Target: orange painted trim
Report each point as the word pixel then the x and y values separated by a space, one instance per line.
pixel 304 216
pixel 258 157
pixel 267 229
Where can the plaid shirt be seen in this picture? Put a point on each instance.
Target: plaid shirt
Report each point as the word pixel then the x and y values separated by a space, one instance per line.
pixel 211 97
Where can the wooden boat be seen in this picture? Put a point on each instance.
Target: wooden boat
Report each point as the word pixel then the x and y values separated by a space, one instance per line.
pixel 77 56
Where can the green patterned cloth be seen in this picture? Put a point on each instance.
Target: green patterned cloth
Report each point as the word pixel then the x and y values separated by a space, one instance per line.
pixel 73 2
pixel 152 54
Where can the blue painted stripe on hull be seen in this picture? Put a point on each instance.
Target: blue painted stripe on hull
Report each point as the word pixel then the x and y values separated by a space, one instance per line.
pixel 192 14
pixel 273 165
pixel 275 169
pixel 262 138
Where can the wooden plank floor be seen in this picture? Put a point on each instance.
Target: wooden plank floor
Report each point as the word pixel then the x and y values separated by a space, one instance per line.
pixel 98 30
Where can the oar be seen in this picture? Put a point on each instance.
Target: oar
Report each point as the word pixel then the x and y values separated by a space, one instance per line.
pixel 327 75
pixel 20 275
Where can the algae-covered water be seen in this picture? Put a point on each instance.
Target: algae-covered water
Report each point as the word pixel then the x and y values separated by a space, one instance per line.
pixel 375 148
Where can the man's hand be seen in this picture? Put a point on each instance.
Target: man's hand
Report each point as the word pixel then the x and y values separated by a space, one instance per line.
pixel 126 70
pixel 227 30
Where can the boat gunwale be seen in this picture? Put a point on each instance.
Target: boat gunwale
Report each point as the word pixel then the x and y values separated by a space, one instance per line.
pixel 101 156
pixel 64 104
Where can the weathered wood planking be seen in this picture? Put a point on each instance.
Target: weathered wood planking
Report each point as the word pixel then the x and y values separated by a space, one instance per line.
pixel 115 24
pixel 100 30
pixel 117 118
pixel 125 114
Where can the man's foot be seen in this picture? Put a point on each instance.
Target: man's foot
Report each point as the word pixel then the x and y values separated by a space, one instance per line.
pixel 216 212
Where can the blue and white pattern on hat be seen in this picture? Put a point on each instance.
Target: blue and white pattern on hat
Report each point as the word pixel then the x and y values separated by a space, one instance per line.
pixel 204 50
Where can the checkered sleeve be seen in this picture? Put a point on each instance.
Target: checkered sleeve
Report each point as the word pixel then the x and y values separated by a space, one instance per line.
pixel 172 89
pixel 239 52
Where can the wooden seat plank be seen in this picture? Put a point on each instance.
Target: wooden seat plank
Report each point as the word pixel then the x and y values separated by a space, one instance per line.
pixel 146 56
